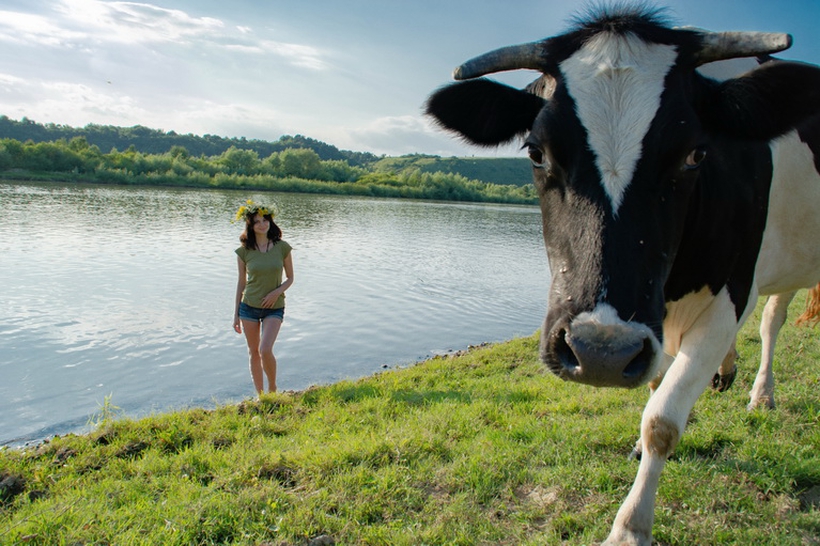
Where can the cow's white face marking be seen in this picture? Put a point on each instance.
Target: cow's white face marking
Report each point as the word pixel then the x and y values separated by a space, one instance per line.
pixel 617 82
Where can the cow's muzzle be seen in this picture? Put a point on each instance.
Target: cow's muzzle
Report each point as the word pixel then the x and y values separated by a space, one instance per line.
pixel 616 354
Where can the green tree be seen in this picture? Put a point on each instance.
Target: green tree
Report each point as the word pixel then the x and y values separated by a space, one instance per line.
pixel 300 163
pixel 6 161
pixel 272 165
pixel 179 152
pixel 239 161
pixel 339 171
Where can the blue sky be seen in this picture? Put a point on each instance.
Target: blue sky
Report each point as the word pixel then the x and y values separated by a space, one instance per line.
pixel 354 73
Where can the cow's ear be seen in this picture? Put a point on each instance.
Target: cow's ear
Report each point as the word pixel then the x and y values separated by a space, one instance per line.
pixel 484 112
pixel 765 103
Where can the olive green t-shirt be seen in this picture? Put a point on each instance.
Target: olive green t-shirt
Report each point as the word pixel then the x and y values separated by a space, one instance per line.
pixel 264 273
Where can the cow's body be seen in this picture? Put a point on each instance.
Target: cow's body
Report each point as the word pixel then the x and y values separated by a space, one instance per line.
pixel 654 185
pixel 781 267
pixel 789 254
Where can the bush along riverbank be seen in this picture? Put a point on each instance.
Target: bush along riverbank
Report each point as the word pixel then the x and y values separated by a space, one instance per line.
pixel 481 448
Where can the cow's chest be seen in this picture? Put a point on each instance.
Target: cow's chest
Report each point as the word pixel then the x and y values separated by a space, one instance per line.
pixel 682 314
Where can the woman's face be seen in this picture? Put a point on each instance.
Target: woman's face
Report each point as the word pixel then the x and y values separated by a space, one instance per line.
pixel 261 225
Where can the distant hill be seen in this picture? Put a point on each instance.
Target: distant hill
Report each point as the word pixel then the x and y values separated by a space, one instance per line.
pixel 508 171
pixel 155 141
pixel 514 171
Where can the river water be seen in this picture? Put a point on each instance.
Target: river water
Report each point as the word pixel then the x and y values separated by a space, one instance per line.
pixel 126 294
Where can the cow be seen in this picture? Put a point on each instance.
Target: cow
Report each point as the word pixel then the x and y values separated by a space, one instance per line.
pixel 659 188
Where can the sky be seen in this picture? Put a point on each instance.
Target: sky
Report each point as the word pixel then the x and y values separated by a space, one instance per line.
pixel 351 73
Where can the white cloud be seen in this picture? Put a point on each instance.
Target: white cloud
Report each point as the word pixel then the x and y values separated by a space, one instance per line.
pixel 133 22
pixel 295 54
pixel 68 103
pixel 78 105
pixel 31 29
pixel 84 102
pixel 89 24
pixel 9 80
pixel 227 119
pixel 299 55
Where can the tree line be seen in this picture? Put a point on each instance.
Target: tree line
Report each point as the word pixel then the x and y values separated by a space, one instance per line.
pixel 292 169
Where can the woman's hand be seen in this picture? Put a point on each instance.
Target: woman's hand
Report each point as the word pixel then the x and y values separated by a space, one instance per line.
pixel 269 300
pixel 237 324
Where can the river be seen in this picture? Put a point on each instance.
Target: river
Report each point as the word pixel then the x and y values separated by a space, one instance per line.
pixel 125 294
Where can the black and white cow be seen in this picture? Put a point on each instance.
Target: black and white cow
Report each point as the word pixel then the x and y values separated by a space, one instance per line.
pixel 659 187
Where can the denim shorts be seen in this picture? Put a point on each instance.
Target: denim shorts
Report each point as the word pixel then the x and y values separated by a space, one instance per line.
pixel 246 312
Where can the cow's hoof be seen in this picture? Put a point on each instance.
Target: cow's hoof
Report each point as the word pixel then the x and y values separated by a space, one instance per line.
pixel 628 538
pixel 763 403
pixel 721 383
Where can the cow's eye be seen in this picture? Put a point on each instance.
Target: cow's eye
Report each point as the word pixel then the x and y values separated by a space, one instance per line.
pixel 536 156
pixel 694 159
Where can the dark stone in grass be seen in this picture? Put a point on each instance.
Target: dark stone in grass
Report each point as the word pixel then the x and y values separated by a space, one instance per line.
pixel 132 449
pixel 37 494
pixel 322 540
pixel 63 454
pixel 281 472
pixel 10 487
pixel 105 437
pixel 810 499
pixel 222 442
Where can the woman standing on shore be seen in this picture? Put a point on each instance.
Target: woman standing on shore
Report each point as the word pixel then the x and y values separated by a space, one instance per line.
pixel 260 289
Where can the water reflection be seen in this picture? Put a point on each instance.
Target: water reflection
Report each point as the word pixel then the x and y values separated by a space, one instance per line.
pixel 129 292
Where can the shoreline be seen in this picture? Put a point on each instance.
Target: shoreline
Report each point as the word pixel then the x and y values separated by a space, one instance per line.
pixel 37 439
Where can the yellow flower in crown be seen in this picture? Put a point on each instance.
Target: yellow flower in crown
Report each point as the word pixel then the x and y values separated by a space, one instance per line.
pixel 254 208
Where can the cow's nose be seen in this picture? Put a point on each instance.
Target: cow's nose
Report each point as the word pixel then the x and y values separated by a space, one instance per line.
pixel 610 356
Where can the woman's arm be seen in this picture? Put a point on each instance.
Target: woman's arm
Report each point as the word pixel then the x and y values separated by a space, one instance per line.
pixel 270 299
pixel 240 287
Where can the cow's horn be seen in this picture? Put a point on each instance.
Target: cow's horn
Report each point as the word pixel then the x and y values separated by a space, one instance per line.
pixel 506 58
pixel 718 46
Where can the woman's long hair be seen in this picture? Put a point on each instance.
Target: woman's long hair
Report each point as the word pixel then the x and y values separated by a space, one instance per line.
pixel 248 237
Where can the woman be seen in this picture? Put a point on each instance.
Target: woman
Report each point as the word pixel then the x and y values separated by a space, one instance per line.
pixel 260 291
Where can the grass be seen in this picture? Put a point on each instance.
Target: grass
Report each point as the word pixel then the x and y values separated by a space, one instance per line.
pixel 484 448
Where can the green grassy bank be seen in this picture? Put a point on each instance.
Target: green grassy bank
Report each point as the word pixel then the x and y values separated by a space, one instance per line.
pixel 483 448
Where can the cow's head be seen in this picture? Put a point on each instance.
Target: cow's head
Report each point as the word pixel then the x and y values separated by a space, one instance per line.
pixel 618 128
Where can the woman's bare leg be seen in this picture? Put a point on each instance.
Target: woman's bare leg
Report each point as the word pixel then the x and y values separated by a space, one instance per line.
pixel 270 330
pixel 252 334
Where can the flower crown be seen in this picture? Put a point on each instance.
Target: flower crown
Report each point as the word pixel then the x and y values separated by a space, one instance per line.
pixel 250 208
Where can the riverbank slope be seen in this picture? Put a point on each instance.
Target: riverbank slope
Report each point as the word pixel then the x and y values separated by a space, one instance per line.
pixel 482 448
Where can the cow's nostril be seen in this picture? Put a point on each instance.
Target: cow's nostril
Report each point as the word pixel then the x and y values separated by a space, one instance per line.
pixel 566 356
pixel 638 366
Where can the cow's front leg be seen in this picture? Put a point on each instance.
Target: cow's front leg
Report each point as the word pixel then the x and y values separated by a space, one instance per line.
pixel 703 346
pixel 653 386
